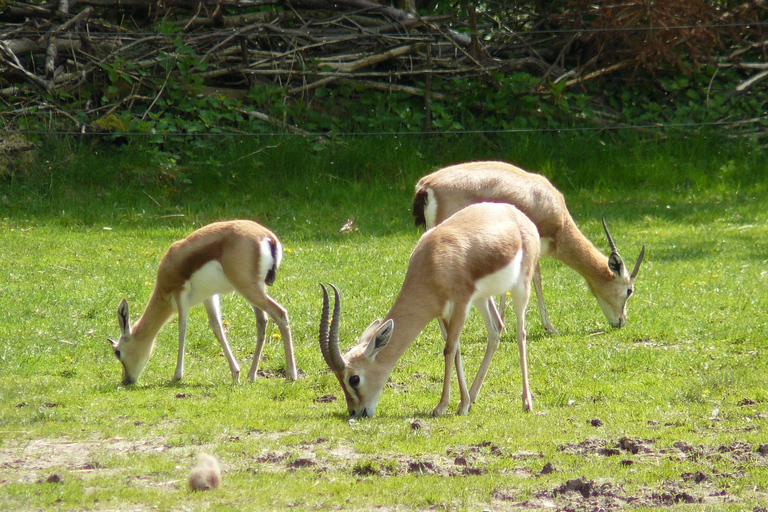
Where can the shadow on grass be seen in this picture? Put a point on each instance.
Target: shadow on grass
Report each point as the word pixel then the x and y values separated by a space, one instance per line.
pixel 306 193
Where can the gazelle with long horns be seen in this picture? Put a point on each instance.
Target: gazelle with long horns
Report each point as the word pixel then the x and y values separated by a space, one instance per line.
pixel 483 250
pixel 446 191
pixel 222 257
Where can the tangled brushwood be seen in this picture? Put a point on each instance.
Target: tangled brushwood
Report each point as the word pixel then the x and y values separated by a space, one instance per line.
pixel 316 65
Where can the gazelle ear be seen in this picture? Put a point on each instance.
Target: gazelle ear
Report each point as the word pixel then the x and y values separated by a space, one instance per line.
pixel 123 318
pixel 112 342
pixel 380 339
pixel 615 263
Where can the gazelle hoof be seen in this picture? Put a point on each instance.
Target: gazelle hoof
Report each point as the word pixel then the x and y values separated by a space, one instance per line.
pixel 527 404
pixel 438 411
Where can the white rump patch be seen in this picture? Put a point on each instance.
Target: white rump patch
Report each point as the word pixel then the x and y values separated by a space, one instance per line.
pixel 501 281
pixel 265 257
pixel 206 281
pixel 430 209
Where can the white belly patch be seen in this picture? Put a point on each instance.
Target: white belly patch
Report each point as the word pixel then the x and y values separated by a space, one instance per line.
pixel 500 281
pixel 206 281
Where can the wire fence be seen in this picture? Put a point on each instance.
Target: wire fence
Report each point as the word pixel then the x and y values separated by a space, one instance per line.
pixel 651 127
pixel 553 31
pixel 10 30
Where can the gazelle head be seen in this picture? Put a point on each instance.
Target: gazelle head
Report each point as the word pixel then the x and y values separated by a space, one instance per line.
pixel 361 378
pixel 132 355
pixel 613 295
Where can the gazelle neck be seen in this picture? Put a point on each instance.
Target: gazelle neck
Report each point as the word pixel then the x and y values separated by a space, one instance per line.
pixel 411 315
pixel 158 311
pixel 576 251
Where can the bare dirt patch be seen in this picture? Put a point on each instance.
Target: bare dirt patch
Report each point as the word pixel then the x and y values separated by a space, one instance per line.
pixel 580 494
pixel 53 460
pixel 697 487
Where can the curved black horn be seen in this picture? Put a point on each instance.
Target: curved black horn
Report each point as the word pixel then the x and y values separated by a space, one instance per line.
pixel 329 333
pixel 610 238
pixel 637 264
pixel 333 341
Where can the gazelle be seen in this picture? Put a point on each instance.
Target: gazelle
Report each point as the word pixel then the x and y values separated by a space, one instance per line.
pixel 483 250
pixel 218 258
pixel 446 191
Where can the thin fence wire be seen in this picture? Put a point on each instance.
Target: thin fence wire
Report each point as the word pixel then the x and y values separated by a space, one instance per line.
pixel 191 135
pixel 182 34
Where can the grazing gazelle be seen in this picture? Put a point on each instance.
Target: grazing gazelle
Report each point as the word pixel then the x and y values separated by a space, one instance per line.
pixel 218 258
pixel 446 191
pixel 484 250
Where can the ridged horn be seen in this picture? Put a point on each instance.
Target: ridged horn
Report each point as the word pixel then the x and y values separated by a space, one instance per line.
pixel 637 264
pixel 329 332
pixel 610 238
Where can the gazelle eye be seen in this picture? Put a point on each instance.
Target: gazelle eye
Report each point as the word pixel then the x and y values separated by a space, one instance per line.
pixel 354 381
pixel 629 292
pixel 117 354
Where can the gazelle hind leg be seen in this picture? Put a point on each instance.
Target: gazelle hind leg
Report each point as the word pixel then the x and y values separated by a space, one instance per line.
pixel 520 298
pixel 183 309
pixel 540 301
pixel 261 333
pixel 213 308
pixel 493 324
pixel 279 315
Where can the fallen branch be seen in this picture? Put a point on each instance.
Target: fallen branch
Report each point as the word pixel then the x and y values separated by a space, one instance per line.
pixel 374 59
pixel 599 72
pixel 273 121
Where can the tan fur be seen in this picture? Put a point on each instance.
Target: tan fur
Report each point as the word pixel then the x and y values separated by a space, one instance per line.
pixel 445 268
pixel 206 475
pixel 457 186
pixel 236 246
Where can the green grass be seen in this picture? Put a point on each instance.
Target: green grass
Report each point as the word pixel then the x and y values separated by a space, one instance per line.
pixel 84 225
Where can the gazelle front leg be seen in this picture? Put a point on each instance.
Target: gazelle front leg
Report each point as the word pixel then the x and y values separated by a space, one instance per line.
pixel 466 402
pixel 213 308
pixel 453 329
pixel 261 333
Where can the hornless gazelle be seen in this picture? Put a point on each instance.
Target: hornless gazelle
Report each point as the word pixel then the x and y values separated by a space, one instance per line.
pixel 446 191
pixel 218 258
pixel 484 250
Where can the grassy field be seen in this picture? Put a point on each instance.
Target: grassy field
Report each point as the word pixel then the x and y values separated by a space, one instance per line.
pixel 669 411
